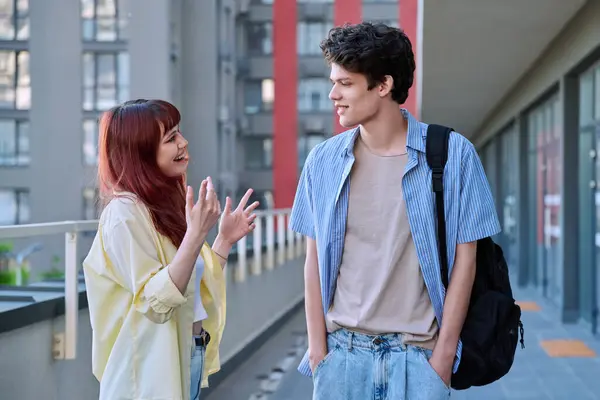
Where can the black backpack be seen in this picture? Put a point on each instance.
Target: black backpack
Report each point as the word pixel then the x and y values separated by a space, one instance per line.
pixel 493 322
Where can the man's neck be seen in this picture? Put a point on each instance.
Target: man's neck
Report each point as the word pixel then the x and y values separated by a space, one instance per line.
pixel 385 135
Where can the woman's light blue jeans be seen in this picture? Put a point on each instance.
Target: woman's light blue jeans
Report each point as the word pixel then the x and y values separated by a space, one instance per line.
pixel 196 371
pixel 360 367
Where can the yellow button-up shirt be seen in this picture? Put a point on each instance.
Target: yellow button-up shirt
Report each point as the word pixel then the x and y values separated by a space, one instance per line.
pixel 142 324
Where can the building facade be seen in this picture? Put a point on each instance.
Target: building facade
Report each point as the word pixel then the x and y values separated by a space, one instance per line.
pixel 540 146
pixel 216 60
pixel 62 63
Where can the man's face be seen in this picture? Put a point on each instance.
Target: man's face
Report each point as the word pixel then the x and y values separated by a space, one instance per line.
pixel 354 103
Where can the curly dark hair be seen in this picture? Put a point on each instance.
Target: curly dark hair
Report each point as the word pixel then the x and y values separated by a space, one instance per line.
pixel 374 50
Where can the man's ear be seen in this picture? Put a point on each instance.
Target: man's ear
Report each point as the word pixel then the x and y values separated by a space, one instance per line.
pixel 386 86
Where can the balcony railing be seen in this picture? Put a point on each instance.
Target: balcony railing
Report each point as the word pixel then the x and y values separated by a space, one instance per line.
pixel 274 222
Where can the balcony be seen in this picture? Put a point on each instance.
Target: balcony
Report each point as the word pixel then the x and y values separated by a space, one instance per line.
pixel 48 321
pixel 315 12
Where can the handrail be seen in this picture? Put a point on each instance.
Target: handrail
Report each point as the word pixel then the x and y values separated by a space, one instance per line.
pixel 65 344
pixel 52 228
pixel 46 228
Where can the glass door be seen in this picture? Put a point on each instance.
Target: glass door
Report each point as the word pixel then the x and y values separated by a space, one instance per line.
pixel 533 233
pixel 589 197
pixel 552 199
pixel 544 198
pixel 509 180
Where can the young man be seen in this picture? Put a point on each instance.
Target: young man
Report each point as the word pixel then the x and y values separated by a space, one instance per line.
pixel 380 323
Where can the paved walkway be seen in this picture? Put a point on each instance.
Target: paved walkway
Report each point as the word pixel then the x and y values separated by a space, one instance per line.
pixel 543 370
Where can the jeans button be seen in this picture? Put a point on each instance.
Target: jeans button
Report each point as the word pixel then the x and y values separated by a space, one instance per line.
pixel 377 341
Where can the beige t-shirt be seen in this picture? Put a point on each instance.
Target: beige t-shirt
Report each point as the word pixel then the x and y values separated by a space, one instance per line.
pixel 380 287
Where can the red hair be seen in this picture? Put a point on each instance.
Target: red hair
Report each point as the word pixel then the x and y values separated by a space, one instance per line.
pixel 129 137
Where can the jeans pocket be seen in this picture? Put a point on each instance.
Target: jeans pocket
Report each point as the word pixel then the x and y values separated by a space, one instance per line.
pixel 425 356
pixel 324 360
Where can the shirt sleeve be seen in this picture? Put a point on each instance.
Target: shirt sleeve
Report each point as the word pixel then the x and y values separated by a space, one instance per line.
pixel 134 256
pixel 301 218
pixel 477 215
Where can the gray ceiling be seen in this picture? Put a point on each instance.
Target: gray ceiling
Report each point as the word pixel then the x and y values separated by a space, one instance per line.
pixel 473 51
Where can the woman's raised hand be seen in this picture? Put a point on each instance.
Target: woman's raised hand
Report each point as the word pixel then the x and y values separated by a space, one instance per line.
pixel 203 215
pixel 237 223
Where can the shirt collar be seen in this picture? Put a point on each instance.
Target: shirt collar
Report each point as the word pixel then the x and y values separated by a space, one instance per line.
pixel 414 135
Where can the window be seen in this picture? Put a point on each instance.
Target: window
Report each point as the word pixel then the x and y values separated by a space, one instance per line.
pixel 14 206
pixel 15 83
pixel 90 204
pixel 597 96
pixel 586 100
pixel 545 195
pixel 260 38
pixel 105 80
pixel 588 170
pixel 14 143
pixel 391 23
pixel 313 95
pixel 14 19
pixel 259 96
pixel 306 144
pixel 310 35
pixel 100 21
pixel 258 153
pixel 90 142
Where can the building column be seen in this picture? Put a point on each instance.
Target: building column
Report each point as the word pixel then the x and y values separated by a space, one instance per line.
pixel 345 11
pixel 149 44
pixel 569 218
pixel 56 128
pixel 523 226
pixel 285 106
pixel 200 84
pixel 56 113
pixel 228 181
pixel 410 18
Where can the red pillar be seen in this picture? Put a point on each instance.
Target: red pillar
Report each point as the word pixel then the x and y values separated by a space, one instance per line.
pixel 285 107
pixel 409 22
pixel 345 11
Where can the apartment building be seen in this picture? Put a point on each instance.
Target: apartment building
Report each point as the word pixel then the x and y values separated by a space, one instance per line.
pixel 63 62
pixel 305 114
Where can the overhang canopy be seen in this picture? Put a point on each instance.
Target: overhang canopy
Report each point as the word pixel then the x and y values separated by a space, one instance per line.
pixel 474 51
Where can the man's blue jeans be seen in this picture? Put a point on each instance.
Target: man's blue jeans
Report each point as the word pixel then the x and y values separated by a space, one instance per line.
pixel 359 367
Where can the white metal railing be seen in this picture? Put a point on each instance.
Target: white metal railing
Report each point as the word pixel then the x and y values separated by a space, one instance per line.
pixel 65 344
pixel 67 341
pixel 270 230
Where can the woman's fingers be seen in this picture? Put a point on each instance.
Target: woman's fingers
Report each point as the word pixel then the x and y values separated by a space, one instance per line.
pixel 189 200
pixel 227 205
pixel 252 207
pixel 202 192
pixel 245 199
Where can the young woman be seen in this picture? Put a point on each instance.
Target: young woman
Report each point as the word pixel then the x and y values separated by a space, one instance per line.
pixel 156 290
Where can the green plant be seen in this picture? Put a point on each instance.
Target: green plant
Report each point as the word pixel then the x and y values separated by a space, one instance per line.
pixel 10 272
pixel 55 272
pixel 5 248
pixel 7 277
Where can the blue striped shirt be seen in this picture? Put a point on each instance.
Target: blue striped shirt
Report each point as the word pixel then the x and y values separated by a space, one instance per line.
pixel 320 207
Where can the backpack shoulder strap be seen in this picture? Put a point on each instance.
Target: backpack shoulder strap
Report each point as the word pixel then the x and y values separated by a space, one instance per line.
pixel 436 150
